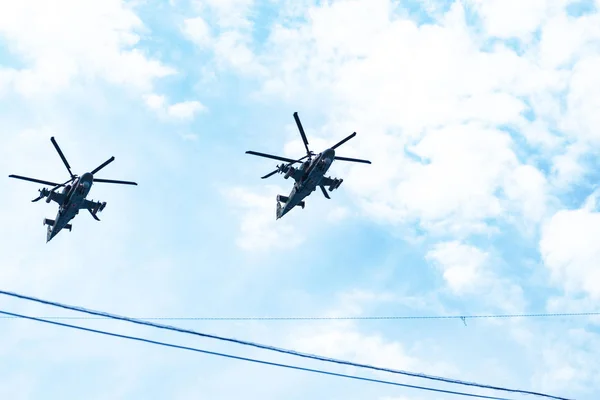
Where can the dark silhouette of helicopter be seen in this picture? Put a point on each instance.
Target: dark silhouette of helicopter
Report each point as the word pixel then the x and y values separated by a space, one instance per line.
pixel 309 175
pixel 73 196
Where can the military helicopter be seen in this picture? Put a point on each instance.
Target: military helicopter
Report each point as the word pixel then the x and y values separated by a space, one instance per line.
pixel 73 196
pixel 309 175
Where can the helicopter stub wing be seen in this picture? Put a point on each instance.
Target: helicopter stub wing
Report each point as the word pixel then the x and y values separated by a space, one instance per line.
pixel 57 197
pixel 326 181
pixel 294 173
pixel 92 205
pixel 332 183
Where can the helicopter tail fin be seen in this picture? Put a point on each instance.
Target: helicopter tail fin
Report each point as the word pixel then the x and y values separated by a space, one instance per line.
pixel 51 222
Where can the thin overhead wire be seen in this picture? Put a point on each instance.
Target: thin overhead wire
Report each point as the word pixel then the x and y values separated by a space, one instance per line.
pixel 275 349
pixel 355 318
pixel 289 366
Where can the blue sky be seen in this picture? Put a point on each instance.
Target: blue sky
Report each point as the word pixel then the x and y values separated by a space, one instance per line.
pixel 493 211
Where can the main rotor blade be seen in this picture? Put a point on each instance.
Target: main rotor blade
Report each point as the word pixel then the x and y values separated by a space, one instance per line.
pixel 324 192
pixel 41 196
pixel 352 159
pixel 34 180
pixel 344 141
pixel 63 184
pixel 114 181
pixel 104 164
pixel 62 156
pixel 278 169
pixel 270 174
pixel 255 153
pixel 301 129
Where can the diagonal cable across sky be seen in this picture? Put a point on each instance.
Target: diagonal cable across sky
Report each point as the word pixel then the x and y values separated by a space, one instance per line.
pixel 254 360
pixel 271 348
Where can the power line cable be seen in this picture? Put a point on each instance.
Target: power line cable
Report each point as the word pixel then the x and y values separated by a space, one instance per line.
pixel 381 317
pixel 136 338
pixel 276 349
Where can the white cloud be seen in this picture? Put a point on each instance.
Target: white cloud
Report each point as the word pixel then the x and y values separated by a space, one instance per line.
pixel 232 50
pixel 197 30
pixel 465 167
pixel 564 39
pixel 348 340
pixel 569 360
pixel 464 267
pixel 185 110
pixel 154 101
pixel 63 41
pixel 528 190
pixel 259 229
pixel 512 18
pixel 232 14
pixel 569 251
pixel 231 46
pixel 582 120
pixel 568 168
pixel 568 304
pixel 338 214
pixel 469 271
pixel 348 344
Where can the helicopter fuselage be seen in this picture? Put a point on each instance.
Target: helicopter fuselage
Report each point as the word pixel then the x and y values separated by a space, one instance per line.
pixel 74 199
pixel 312 176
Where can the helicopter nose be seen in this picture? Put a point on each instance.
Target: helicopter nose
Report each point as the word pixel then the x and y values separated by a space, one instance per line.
pixel 328 155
